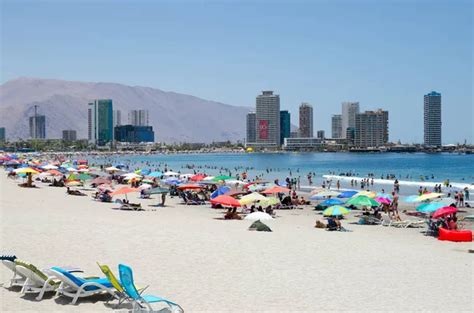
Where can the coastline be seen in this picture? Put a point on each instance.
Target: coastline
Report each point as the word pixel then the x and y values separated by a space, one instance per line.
pixel 187 254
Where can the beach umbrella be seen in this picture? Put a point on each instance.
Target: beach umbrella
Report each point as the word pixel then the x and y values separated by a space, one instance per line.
pixel 171 181
pixel 186 176
pixel 71 169
pixel 144 186
pixel 170 173
pixel 84 177
pixel 336 210
pixel 410 199
pixel 251 198
pixel 26 170
pixel 330 202
pixel 383 200
pixel 147 181
pixel 269 201
pixel 362 201
pixel 49 167
pixel 220 191
pixel 347 194
pixel 370 194
pixel 225 201
pixel 384 195
pixel 255 216
pixel 258 187
pixel 276 189
pixel 429 196
pixel 444 211
pixel 328 193
pixel 222 177
pixel 73 183
pixel 430 207
pixel 208 178
pixel 234 182
pixel 100 181
pixel 112 169
pixel 189 186
pixel 155 174
pixel 197 177
pixel 156 190
pixel 123 191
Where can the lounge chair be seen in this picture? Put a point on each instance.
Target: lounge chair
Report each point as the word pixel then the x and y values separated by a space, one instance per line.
pixel 77 287
pixel 17 280
pixel 138 300
pixel 36 280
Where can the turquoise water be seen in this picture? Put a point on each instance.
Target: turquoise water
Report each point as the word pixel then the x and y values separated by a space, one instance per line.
pixel 413 166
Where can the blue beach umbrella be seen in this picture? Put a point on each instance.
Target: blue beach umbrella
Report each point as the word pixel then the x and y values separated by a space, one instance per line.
pixel 410 199
pixel 429 207
pixel 172 181
pixel 330 202
pixel 220 191
pixel 347 194
pixel 155 174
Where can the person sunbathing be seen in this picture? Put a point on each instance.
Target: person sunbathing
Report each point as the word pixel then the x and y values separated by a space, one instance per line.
pixel 74 192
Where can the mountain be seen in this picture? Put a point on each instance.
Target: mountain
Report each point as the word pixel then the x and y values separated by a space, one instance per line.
pixel 175 117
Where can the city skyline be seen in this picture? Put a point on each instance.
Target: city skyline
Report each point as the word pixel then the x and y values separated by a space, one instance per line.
pixel 387 64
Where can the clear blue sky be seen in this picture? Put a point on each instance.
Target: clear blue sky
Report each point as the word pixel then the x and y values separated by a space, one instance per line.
pixel 323 52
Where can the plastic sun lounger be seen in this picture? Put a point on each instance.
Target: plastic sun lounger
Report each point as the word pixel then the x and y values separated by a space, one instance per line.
pixel 77 287
pixel 138 300
pixel 18 280
pixel 37 281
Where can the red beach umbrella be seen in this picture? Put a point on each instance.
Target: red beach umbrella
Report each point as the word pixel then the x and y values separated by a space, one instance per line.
pixel 225 201
pixel 189 186
pixel 444 211
pixel 197 177
pixel 276 189
pixel 123 191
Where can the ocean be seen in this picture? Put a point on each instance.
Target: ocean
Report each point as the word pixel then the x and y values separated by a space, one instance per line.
pixel 413 167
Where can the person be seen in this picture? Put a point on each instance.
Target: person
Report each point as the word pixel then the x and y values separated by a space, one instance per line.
pixel 452 223
pixel 466 193
pixel 394 206
pixel 163 199
pixel 338 185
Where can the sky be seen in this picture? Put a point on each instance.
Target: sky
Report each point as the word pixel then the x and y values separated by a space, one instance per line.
pixel 383 54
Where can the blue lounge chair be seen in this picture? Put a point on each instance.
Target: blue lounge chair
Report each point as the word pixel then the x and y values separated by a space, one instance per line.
pixel 78 287
pixel 138 300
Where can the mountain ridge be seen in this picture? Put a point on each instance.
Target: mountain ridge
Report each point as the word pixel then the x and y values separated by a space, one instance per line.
pixel 175 117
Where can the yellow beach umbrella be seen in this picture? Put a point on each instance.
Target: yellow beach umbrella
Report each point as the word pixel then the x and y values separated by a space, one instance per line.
pixel 370 194
pixel 251 198
pixel 26 170
pixel 269 201
pixel 429 196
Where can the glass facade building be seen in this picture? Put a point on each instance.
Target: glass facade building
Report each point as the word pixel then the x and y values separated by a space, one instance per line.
pixel 100 122
pixel 285 125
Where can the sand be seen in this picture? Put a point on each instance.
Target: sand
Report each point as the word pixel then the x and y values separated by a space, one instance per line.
pixel 205 264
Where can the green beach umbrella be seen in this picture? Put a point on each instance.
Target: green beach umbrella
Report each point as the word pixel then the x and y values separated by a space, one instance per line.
pixel 269 201
pixel 362 201
pixel 156 190
pixel 72 177
pixel 221 177
pixel 84 177
pixel 336 210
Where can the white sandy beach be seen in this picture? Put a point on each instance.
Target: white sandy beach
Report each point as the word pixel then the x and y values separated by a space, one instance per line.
pixel 205 264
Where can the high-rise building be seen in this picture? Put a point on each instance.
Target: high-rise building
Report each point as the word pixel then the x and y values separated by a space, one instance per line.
pixel 268 120
pixel 138 117
pixel 251 127
pixel 371 129
pixel 2 134
pixel 38 126
pixel 349 111
pixel 134 134
pixel 320 134
pixel 306 120
pixel 69 135
pixel 336 126
pixel 100 122
pixel 285 125
pixel 432 119
pixel 117 118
